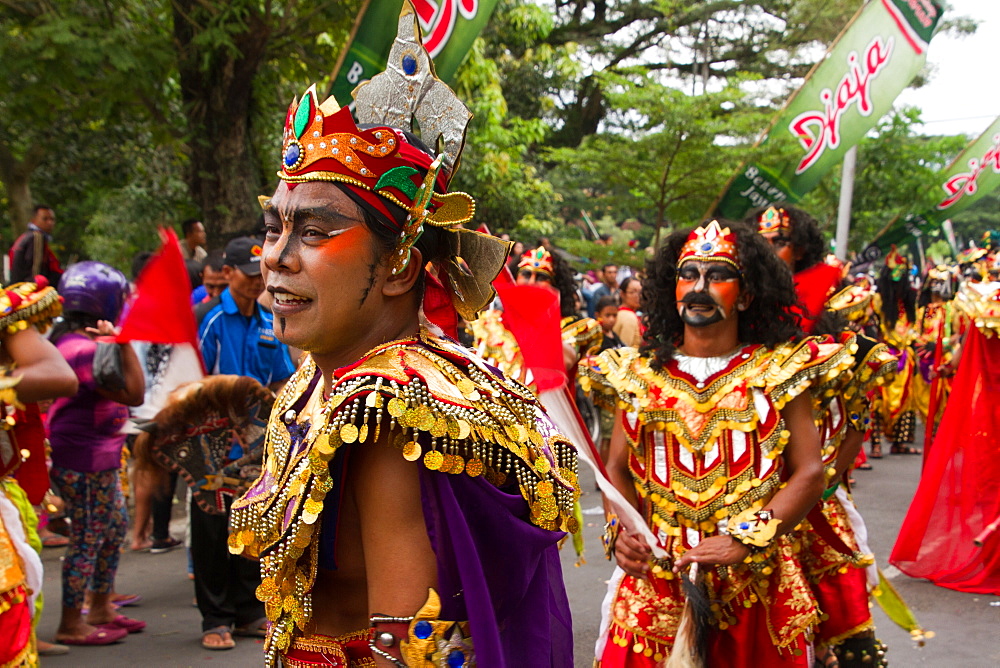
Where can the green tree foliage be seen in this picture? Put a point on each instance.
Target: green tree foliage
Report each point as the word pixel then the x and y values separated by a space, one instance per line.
pixel 553 66
pixel 663 155
pixel 896 175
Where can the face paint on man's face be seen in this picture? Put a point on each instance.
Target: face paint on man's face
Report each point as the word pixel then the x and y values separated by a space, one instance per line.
pixel 707 292
pixel 782 246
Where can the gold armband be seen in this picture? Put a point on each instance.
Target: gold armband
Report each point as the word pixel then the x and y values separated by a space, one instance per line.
pixel 754 528
pixel 429 641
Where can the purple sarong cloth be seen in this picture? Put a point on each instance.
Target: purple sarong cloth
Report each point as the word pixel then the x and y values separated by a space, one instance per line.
pixel 498 571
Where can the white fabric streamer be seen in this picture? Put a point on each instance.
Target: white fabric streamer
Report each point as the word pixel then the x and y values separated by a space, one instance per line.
pixel 860 532
pixel 557 405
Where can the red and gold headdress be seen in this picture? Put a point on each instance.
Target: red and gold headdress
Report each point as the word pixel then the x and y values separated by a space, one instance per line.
pixel 383 171
pixel 773 219
pixel 538 261
pixel 711 243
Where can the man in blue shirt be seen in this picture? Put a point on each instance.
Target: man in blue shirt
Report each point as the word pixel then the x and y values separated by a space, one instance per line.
pixel 236 336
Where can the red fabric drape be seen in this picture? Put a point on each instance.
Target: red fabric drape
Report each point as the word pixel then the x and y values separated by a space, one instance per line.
pixel 531 313
pixel 959 491
pixel 33 474
pixel 814 286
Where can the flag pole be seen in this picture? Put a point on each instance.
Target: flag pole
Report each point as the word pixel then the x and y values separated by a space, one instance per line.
pixel 846 197
pixel 347 44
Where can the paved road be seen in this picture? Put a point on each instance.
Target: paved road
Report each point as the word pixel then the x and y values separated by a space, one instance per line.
pixel 966 625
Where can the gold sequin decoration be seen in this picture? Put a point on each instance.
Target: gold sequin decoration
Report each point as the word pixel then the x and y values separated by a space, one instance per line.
pixel 349 433
pixel 396 407
pixel 433 459
pixel 363 433
pixel 474 467
pixel 411 451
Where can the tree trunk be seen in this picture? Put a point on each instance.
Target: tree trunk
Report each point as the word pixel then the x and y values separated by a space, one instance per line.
pixel 16 176
pixel 217 91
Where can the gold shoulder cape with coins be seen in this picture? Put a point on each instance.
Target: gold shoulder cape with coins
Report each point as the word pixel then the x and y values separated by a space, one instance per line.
pixel 444 408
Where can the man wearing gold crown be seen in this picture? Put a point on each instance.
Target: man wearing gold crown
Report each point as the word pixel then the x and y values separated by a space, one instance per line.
pixel 834 558
pixel 714 443
pixel 412 497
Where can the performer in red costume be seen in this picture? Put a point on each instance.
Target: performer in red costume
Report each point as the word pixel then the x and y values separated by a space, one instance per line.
pixel 949 535
pixel 714 443
pixel 834 558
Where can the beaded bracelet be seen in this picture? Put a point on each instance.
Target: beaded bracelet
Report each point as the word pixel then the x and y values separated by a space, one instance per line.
pixel 610 537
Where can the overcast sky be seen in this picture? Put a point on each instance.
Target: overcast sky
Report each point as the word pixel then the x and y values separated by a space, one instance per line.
pixel 962 96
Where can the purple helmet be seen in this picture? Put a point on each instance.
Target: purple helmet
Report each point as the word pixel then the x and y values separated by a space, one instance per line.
pixel 94 288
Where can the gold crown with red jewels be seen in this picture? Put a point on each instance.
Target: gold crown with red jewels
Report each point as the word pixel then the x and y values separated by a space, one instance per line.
pixel 538 261
pixel 710 243
pixel 773 219
pixel 895 259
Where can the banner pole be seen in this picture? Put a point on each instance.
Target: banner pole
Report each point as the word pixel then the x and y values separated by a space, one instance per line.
pixel 347 45
pixel 846 197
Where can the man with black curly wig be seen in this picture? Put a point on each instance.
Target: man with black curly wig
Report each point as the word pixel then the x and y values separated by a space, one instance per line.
pixel 714 443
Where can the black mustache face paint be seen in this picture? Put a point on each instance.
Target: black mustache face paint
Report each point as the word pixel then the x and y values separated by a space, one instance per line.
pixel 698 298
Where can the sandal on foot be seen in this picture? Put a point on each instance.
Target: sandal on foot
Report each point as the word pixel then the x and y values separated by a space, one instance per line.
pixel 55 540
pixel 255 629
pixel 122 600
pixel 905 450
pixel 51 649
pixel 123 622
pixel 99 636
pixel 222 632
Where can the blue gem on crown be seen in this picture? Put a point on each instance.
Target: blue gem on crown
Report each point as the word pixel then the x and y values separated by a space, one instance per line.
pixel 293 155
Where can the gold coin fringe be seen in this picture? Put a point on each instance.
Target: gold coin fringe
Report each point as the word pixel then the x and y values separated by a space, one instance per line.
pixel 500 437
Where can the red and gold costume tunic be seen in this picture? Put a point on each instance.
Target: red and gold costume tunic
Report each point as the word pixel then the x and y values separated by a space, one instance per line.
pixel 705 444
pixel 832 557
pixel 22 305
pixel 935 328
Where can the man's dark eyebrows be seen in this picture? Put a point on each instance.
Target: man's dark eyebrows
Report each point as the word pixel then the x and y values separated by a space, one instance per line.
pixel 327 213
pixel 723 269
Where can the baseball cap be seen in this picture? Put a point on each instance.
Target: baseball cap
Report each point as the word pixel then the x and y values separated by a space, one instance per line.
pixel 244 254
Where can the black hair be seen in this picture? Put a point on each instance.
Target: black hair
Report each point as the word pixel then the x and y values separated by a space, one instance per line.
pixel 564 281
pixel 623 286
pixel 604 302
pixel 215 260
pixel 608 264
pixel 805 235
pixel 139 263
pixel 894 292
pixel 72 321
pixel 195 269
pixel 768 319
pixel 188 225
pixel 39 207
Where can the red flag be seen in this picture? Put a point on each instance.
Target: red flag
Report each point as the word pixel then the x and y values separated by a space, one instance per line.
pixel 531 313
pixel 160 311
